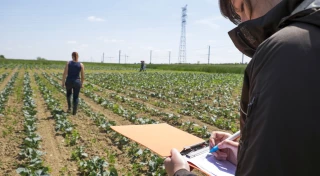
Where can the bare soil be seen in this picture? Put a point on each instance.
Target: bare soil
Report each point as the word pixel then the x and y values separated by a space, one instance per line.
pixel 11 127
pixel 57 155
pixel 97 143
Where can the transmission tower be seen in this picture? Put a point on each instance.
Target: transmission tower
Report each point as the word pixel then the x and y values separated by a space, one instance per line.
pixel 182 50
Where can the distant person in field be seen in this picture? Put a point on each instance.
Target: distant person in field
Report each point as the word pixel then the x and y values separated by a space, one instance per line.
pixel 280 102
pixel 143 66
pixel 73 83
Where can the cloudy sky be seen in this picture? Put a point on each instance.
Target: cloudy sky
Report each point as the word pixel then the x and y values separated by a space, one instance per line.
pixel 54 29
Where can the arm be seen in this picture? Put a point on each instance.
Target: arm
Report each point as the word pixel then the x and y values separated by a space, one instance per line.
pixel 64 74
pixel 82 74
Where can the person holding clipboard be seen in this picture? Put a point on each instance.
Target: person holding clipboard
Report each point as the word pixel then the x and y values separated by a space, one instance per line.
pixel 280 102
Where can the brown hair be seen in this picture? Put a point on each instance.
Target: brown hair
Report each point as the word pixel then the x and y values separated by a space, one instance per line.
pixel 227 10
pixel 75 55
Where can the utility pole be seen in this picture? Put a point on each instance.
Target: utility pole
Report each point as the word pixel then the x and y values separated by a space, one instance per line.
pixel 119 55
pixel 125 57
pixel 242 58
pixel 209 55
pixel 150 56
pixel 182 47
pixel 169 56
pixel 102 58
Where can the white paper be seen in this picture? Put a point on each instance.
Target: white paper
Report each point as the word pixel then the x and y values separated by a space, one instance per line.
pixel 209 164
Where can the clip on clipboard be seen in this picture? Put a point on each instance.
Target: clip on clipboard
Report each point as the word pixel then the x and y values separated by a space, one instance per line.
pixel 195 150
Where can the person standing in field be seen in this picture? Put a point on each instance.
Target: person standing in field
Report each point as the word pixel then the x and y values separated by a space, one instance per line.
pixel 279 107
pixel 73 84
pixel 143 66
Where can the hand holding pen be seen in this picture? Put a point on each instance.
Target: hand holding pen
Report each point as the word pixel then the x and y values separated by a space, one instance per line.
pixel 228 148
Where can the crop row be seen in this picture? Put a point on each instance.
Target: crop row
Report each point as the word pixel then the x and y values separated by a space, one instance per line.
pixel 172 85
pixel 94 166
pixel 30 153
pixel 131 115
pixel 3 76
pixel 4 94
pixel 223 117
pixel 144 161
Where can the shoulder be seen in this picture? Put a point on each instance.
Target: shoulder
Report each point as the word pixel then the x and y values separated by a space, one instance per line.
pixel 286 54
pixel 294 40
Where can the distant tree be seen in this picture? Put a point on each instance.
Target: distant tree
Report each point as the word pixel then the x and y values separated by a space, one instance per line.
pixel 2 57
pixel 40 59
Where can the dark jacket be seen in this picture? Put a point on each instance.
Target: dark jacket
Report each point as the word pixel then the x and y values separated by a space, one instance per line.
pixel 280 100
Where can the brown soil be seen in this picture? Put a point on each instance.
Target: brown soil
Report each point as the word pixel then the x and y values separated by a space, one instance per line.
pixel 106 93
pixel 97 143
pixel 116 118
pixel 97 108
pixel 57 155
pixel 11 128
pixel 7 79
pixel 109 114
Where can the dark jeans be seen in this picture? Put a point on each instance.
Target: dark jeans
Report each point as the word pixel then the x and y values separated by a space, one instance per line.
pixel 73 86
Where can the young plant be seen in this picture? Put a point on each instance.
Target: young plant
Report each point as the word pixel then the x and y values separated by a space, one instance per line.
pixel 78 154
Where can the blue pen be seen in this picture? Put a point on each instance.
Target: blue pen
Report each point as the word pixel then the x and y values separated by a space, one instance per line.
pixel 232 137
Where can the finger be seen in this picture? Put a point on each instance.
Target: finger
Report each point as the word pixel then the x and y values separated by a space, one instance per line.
pixel 218 157
pixel 219 136
pixel 167 160
pixel 221 154
pixel 175 153
pixel 228 144
pixel 211 142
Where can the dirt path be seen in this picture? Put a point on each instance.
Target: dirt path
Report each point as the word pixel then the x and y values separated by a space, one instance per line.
pixel 109 114
pixel 57 154
pixel 97 143
pixel 11 128
pixel 7 79
pixel 97 108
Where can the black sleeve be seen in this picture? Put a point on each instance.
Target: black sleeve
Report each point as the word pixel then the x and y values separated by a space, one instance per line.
pixel 184 172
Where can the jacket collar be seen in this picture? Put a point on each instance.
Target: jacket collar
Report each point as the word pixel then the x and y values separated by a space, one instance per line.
pixel 250 34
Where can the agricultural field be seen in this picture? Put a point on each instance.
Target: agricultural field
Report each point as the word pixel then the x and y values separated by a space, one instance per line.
pixel 38 137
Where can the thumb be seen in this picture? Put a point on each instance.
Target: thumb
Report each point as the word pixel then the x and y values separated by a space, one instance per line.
pixel 175 153
pixel 228 144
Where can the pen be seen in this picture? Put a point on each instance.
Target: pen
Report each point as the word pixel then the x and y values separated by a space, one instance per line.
pixel 231 138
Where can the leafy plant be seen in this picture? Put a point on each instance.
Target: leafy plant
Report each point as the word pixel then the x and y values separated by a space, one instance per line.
pixel 78 153
pixel 95 166
pixel 71 139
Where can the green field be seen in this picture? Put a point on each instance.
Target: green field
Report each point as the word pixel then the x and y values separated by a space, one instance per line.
pixel 41 137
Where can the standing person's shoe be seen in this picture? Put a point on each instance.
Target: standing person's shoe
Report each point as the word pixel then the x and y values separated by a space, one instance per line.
pixel 69 110
pixel 74 112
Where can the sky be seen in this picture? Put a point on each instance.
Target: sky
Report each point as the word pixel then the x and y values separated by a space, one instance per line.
pixel 54 29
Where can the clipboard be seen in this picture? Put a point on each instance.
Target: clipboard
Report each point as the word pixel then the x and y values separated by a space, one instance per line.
pixel 161 138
